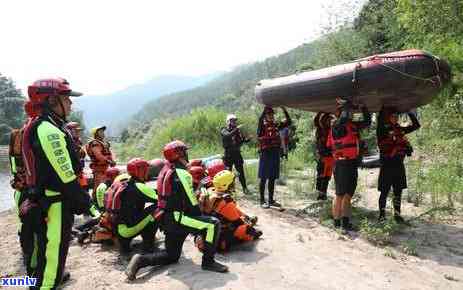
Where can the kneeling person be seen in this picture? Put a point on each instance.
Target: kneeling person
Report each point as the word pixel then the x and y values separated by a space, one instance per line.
pixel 131 217
pixel 237 227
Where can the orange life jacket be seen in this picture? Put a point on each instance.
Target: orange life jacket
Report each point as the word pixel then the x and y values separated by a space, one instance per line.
pixel 270 137
pixel 347 146
pixel 98 164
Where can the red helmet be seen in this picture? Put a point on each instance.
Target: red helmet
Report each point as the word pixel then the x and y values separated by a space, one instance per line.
pixel 40 90
pixel 155 167
pixel 175 150
pixel 197 172
pixel 138 168
pixel 196 162
pixel 112 172
pixel 214 167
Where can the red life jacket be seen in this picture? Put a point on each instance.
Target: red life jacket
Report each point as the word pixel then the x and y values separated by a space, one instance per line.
pixel 270 137
pixel 112 197
pixel 347 146
pixel 395 143
pixel 28 155
pixel 164 186
pixel 96 163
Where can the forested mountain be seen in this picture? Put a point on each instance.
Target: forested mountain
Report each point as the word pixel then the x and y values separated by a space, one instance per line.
pixel 11 108
pixel 117 107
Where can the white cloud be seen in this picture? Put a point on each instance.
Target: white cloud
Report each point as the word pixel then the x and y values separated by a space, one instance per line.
pixel 102 46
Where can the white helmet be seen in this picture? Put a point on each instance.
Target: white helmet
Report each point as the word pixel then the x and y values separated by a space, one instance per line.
pixel 231 117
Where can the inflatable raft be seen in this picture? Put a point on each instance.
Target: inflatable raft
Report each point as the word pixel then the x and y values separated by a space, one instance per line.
pixel 404 79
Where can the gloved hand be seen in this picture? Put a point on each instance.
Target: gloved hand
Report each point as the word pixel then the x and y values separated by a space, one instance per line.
pixel 25 207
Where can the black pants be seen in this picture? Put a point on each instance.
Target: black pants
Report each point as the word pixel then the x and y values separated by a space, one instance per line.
pixel 179 226
pixel 396 201
pixel 271 189
pixel 143 225
pixel 235 159
pixel 28 239
pixel 53 232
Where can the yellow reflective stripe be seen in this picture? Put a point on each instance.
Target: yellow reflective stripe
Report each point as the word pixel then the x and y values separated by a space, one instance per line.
pixel 13 165
pixel 51 193
pixel 33 264
pixel 94 211
pixel 54 145
pixel 187 181
pixel 17 197
pixel 53 245
pixel 100 192
pixel 128 232
pixel 196 224
pixel 146 190
pixel 121 177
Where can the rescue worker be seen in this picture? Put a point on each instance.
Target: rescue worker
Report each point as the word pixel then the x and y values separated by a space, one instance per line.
pixel 325 160
pixel 100 155
pixel 236 226
pixel 18 183
pixel 269 148
pixel 75 130
pixel 180 214
pixel 54 194
pixel 111 174
pixel 344 140
pixel 132 217
pixel 393 147
pixel 232 140
pixel 200 179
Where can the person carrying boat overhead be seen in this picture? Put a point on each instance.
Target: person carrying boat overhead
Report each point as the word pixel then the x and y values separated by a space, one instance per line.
pixel 393 147
pixel 325 160
pixel 344 141
pixel 180 216
pixel 100 156
pixel 232 139
pixel 270 149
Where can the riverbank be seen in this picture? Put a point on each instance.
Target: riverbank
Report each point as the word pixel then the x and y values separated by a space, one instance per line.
pixel 294 253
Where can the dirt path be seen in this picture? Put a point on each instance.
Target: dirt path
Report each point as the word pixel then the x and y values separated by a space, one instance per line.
pixel 293 254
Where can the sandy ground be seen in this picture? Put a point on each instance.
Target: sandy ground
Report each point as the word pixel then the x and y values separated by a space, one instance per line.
pixel 294 253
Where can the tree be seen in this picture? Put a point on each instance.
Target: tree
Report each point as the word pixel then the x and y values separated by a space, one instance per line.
pixel 11 108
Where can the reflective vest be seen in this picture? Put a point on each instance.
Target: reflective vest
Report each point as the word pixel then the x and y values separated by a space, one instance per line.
pixel 395 143
pixel 345 146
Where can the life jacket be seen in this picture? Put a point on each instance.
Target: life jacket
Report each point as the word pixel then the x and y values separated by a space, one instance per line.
pixel 270 136
pixel 395 143
pixel 112 197
pixel 27 154
pixel 97 164
pixel 16 161
pixel 345 141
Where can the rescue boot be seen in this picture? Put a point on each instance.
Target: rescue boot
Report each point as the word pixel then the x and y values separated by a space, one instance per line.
pixel 139 261
pixel 275 203
pixel 255 233
pixel 209 264
pixel 82 236
pixel 399 219
pixel 382 215
pixel 322 196
pixel 337 223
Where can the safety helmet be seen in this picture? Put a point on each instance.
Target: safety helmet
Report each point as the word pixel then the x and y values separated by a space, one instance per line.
pixel 112 173
pixel 197 172
pixel 155 167
pixel 94 130
pixel 214 167
pixel 175 150
pixel 224 180
pixel 231 117
pixel 138 168
pixel 196 162
pixel 40 90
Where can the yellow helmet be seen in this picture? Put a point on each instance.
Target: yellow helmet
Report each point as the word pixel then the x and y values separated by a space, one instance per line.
pixel 94 130
pixel 224 180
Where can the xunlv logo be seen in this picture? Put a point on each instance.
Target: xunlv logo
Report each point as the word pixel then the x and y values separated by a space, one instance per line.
pixel 18 281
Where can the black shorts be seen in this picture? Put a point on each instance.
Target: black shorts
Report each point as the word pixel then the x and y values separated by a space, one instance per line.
pixel 345 176
pixel 392 174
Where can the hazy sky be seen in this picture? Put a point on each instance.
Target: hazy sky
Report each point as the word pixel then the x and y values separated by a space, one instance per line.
pixel 102 46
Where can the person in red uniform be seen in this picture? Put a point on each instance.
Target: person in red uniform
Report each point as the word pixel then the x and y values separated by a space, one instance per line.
pixel 98 149
pixel 270 150
pixel 325 160
pixel 393 147
pixel 344 140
